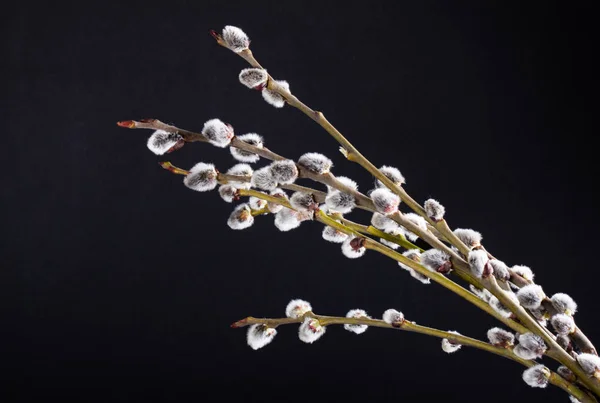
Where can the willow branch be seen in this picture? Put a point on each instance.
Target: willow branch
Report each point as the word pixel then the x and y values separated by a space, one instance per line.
pixel 408 326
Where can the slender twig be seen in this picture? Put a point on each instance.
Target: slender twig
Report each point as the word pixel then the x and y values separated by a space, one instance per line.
pixel 408 326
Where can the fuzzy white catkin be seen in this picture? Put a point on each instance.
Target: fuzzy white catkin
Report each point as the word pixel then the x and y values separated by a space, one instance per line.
pixel 275 208
pixel 273 97
pixel 533 342
pixel 383 223
pixel 477 261
pixel 256 204
pixel 481 293
pixel 418 221
pixel 259 336
pixel 414 254
pixel 262 179
pixel 392 316
pixel 524 353
pixel 433 259
pixel 217 133
pixel 563 303
pixel 202 177
pixel 563 323
pixel 284 172
pixel 160 142
pixel 349 248
pixel 468 236
pixel 590 363
pixel 240 170
pixel 574 399
pixel 565 373
pixel 297 308
pixel 385 201
pixel 536 376
pixel 235 38
pixel 356 313
pixel 246 156
pixel 333 235
pixel 303 201
pixel 340 202
pixel 500 270
pixel 310 330
pixel 523 271
pixel 392 174
pixel 531 296
pixel 315 163
pixel 241 217
pixel 287 219
pixel 434 209
pixel 449 346
pixel 254 78
pixel 227 193
pixel 498 306
pixel 344 180
pixel 500 337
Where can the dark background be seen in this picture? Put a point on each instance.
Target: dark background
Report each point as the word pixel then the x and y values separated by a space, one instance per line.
pixel 119 284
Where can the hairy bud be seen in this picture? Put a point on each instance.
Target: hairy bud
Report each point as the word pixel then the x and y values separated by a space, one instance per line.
pixel 240 170
pixel 531 296
pixel 415 255
pixel 566 373
pixel 256 204
pixel 523 271
pixel 499 306
pixel 449 346
pixel 436 260
pixel 311 330
pixel 563 303
pixel 394 232
pixel 590 363
pixel 259 335
pixel 288 219
pixel 162 142
pixel 284 171
pixel 418 221
pixel 274 207
pixel 393 317
pixel 563 323
pixel 262 179
pixel 303 201
pixel 500 270
pixel 273 97
pixel 524 353
pixel 356 313
pixel 254 78
pixel 533 343
pixel 500 337
pixel 392 174
pixel 217 133
pixel 297 308
pixel 344 180
pixel 482 293
pixel 469 237
pixel 333 235
pixel 235 38
pixel 564 342
pixel 340 202
pixel 478 262
pixel 241 217
pixel 434 210
pixel 315 163
pixel 228 193
pixel 353 247
pixel 202 177
pixel 385 201
pixel 536 376
pixel 383 223
pixel 245 156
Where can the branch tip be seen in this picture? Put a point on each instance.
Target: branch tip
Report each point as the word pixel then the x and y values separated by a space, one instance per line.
pixel 128 124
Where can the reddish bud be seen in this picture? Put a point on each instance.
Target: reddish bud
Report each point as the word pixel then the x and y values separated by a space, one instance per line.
pixel 129 124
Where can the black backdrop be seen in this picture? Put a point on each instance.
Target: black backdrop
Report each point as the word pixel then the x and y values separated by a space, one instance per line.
pixel 119 284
